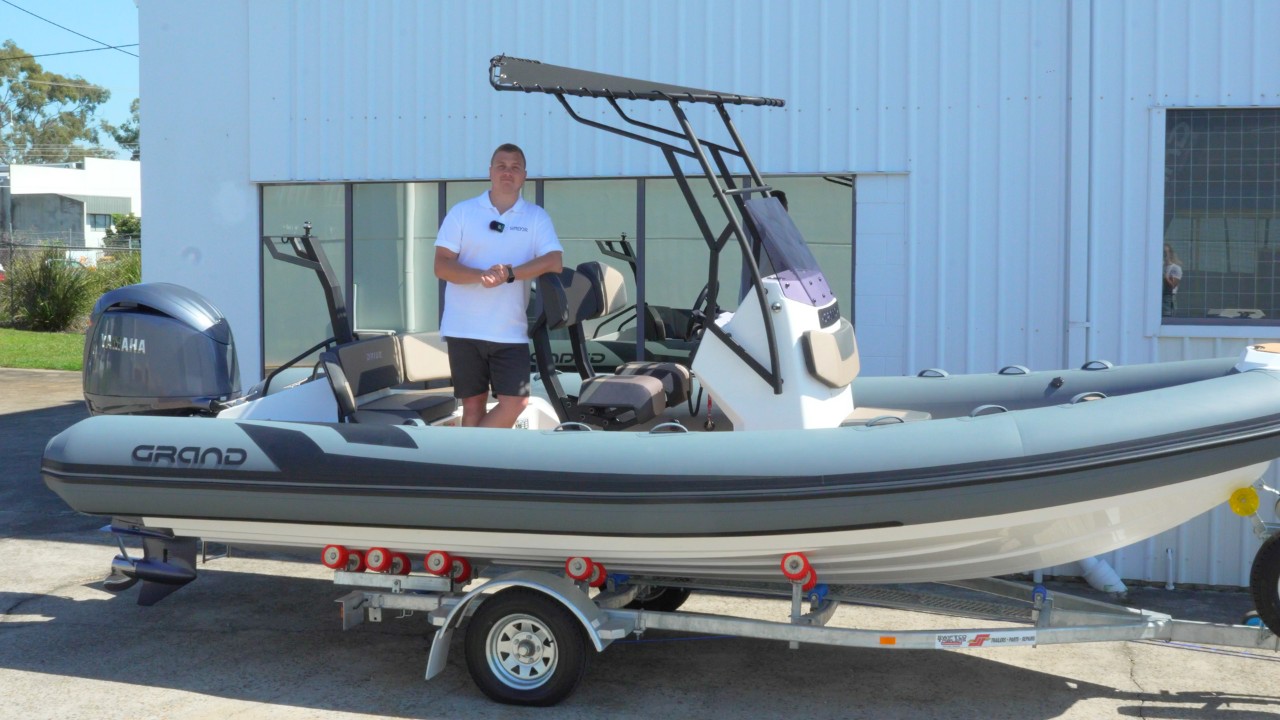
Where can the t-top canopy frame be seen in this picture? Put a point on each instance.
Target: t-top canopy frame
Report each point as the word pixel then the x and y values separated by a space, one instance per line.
pixel 510 73
pixel 530 76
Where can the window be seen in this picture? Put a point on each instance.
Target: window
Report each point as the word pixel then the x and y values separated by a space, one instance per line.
pixel 393 256
pixel 99 222
pixel 293 309
pixel 1222 216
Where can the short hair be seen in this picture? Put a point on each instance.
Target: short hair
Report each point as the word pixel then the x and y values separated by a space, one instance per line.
pixel 510 148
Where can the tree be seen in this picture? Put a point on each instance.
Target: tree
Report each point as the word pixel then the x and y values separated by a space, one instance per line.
pixel 45 117
pixel 125 231
pixel 126 135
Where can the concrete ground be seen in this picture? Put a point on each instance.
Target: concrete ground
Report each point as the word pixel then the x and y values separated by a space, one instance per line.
pixel 258 636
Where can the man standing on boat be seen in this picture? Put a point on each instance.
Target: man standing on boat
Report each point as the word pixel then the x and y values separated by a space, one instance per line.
pixel 488 250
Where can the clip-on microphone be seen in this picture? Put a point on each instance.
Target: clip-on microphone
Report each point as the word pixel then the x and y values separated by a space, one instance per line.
pixel 495 225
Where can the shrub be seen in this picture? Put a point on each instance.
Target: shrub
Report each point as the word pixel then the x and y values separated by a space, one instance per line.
pixel 45 292
pixel 122 268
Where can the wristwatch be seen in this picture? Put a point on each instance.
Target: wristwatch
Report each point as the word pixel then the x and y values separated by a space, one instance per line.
pixel 511 274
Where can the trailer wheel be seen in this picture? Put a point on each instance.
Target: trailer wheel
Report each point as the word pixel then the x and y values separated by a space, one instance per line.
pixel 1264 583
pixel 659 599
pixel 525 648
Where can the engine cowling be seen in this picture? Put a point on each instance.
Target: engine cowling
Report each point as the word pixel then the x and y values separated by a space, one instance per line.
pixel 158 349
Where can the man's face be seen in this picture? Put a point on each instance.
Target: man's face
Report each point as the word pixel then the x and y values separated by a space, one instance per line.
pixel 507 172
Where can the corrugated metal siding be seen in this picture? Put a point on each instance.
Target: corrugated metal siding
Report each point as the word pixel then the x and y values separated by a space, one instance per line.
pixel 1024 136
pixel 1145 55
pixel 376 91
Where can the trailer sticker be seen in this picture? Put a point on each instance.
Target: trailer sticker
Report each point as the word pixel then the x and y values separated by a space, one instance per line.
pixel 995 638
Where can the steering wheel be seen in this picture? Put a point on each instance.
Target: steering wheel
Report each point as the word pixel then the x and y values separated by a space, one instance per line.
pixel 697 315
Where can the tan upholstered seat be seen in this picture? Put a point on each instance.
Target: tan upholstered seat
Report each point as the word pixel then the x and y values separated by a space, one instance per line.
pixel 363 374
pixel 676 378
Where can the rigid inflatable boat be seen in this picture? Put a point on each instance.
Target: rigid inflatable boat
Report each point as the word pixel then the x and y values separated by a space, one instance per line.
pixel 870 480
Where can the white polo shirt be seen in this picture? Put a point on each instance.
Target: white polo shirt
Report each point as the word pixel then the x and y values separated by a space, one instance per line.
pixel 495 314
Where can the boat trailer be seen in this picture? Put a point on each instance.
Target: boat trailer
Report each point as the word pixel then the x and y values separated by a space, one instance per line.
pixel 527 631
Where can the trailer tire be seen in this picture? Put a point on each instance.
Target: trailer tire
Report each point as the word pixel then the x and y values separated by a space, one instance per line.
pixel 659 599
pixel 525 648
pixel 1264 583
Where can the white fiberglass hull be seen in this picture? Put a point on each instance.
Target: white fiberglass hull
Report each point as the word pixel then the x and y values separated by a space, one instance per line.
pixel 951 550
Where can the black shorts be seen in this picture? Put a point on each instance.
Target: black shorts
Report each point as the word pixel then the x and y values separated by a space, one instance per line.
pixel 476 366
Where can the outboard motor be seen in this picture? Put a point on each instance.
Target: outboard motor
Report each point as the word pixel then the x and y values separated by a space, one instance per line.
pixel 158 349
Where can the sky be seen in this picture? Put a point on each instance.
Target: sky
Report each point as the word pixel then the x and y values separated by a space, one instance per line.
pixel 113 22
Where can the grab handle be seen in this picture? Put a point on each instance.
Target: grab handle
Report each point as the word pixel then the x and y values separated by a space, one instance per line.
pixel 884 419
pixel 988 410
pixel 1015 370
pixel 668 427
pixel 933 373
pixel 1097 365
pixel 574 426
pixel 1087 396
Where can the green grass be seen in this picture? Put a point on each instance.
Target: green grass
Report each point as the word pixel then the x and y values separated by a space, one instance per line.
pixel 41 350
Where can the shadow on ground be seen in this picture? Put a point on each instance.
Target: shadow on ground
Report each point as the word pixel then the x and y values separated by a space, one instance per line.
pixel 278 640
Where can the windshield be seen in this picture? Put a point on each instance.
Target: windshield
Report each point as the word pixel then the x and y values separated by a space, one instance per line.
pixel 786 255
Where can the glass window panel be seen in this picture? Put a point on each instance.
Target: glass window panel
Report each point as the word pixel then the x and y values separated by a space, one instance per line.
pixel 394 231
pixel 294 316
pixel 458 190
pixel 585 211
pixel 1221 213
pixel 677 254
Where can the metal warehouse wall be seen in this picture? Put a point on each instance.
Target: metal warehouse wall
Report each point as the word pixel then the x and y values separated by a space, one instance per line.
pixel 1023 142
pixel 1143 57
pixel 970 99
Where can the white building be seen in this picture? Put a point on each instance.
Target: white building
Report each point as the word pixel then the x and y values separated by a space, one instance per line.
pixel 1017 168
pixel 69 204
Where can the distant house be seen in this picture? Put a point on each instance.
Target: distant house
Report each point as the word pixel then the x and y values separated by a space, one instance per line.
pixel 69 204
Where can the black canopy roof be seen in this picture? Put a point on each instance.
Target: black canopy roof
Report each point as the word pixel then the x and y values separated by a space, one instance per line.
pixel 508 73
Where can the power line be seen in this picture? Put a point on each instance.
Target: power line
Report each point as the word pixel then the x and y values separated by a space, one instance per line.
pixel 73 32
pixel 69 52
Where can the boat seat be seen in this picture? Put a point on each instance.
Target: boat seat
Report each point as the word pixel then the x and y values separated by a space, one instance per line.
pixel 863 415
pixel 676 378
pixel 363 375
pixel 567 299
pixel 594 290
pixel 622 400
pixel 408 405
pixel 426 358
